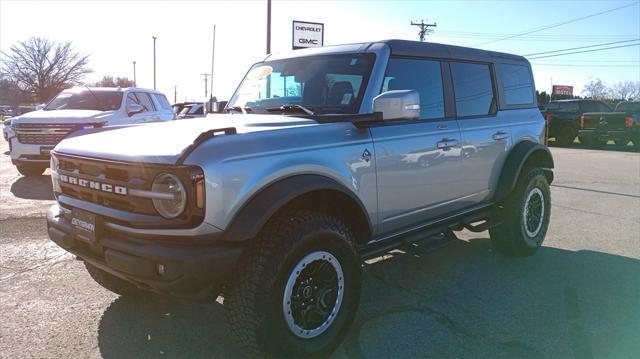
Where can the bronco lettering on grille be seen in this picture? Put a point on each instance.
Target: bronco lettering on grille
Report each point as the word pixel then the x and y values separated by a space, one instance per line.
pixel 100 186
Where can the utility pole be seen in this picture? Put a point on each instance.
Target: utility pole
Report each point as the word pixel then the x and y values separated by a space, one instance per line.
pixel 154 62
pixel 268 27
pixel 135 84
pixel 175 93
pixel 206 77
pixel 424 28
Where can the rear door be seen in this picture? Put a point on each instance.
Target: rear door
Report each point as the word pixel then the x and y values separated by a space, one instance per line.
pixel 485 134
pixel 417 162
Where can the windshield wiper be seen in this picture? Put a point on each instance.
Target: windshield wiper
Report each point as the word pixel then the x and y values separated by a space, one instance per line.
pixel 290 108
pixel 238 109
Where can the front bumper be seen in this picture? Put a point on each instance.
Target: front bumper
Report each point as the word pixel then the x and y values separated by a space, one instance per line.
pixel 22 153
pixel 191 269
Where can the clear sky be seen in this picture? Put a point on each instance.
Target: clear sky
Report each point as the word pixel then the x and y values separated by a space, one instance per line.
pixel 115 33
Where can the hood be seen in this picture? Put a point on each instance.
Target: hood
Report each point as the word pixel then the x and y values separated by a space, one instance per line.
pixel 63 116
pixel 164 142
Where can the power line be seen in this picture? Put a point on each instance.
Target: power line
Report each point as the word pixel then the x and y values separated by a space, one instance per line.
pixel 581 65
pixel 581 47
pixel 556 25
pixel 583 51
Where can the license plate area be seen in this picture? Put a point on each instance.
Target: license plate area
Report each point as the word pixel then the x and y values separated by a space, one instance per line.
pixel 84 226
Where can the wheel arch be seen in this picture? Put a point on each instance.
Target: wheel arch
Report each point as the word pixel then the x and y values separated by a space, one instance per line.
pixel 308 191
pixel 526 153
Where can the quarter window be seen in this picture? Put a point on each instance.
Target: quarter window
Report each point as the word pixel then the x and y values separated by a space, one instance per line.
pixel 162 100
pixel 516 84
pixel 421 75
pixel 473 88
pixel 145 101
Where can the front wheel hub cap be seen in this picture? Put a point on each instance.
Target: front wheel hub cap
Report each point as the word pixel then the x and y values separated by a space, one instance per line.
pixel 533 215
pixel 313 294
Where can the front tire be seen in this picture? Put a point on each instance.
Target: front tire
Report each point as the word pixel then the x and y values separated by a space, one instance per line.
pixel 524 215
pixel 31 170
pixel 296 290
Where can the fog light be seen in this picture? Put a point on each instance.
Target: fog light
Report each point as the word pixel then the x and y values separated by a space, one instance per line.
pixel 160 269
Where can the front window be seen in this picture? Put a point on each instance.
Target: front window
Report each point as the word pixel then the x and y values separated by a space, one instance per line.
pixel 83 99
pixel 323 84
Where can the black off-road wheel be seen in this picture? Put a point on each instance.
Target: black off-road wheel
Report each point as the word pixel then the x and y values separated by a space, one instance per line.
pixel 111 282
pixel 31 170
pixel 524 216
pixel 296 290
pixel 565 136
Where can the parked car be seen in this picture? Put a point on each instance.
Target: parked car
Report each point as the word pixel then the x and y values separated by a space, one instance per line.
pixel 621 126
pixel 563 117
pixel 279 200
pixel 179 106
pixel 6 129
pixel 192 111
pixel 36 133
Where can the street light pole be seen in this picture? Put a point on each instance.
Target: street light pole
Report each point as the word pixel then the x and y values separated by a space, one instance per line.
pixel 134 75
pixel 268 27
pixel 154 62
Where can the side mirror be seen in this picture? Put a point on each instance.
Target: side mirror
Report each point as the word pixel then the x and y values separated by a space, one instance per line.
pixel 134 108
pixel 398 105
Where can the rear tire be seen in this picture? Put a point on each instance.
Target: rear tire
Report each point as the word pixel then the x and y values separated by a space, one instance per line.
pixel 524 216
pixel 31 170
pixel 566 136
pixel 276 306
pixel 111 282
pixel 621 142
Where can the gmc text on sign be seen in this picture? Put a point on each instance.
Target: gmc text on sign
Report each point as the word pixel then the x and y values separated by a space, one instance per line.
pixel 307 34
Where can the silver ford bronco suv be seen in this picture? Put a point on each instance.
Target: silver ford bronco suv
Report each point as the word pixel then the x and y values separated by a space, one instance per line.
pixel 324 157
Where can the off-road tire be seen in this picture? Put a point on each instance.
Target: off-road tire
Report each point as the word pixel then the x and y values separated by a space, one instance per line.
pixel 111 282
pixel 253 301
pixel 511 237
pixel 31 170
pixel 566 136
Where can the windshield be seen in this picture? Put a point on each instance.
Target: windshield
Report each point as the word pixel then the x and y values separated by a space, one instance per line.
pixel 85 100
pixel 324 84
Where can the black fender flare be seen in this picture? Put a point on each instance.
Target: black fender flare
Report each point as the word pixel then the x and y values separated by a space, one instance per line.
pixel 257 211
pixel 512 167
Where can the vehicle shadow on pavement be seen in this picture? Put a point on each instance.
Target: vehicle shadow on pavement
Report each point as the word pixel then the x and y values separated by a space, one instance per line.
pixel 462 300
pixel 33 187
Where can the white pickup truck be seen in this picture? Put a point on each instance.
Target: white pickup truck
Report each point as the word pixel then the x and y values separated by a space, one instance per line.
pixel 32 136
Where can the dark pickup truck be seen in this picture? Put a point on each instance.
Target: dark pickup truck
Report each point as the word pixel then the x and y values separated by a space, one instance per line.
pixel 621 126
pixel 563 118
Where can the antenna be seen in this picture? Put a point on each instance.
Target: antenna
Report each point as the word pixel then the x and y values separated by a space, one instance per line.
pixel 424 28
pixel 206 79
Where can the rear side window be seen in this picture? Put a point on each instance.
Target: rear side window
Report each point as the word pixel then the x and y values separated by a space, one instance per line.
pixel 162 100
pixel 563 106
pixel 421 75
pixel 473 89
pixel 516 84
pixel 589 106
pixel 603 107
pixel 131 99
pixel 145 101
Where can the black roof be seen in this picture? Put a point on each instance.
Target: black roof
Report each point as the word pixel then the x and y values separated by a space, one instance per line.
pixel 417 48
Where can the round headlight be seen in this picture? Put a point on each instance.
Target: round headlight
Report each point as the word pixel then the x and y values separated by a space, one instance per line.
pixel 175 196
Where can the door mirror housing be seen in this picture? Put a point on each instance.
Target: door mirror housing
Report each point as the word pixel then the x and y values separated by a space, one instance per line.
pixel 398 105
pixel 134 108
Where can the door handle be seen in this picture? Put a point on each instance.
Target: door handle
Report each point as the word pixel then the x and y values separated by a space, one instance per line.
pixel 500 135
pixel 446 144
pixel 442 127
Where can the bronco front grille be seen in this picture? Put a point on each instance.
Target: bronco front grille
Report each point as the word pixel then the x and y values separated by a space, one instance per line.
pixel 45 134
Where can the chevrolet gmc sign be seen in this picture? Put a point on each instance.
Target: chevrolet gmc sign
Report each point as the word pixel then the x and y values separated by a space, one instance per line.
pixel 307 34
pixel 562 90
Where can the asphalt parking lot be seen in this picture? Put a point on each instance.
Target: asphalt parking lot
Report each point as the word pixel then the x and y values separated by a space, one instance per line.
pixel 577 297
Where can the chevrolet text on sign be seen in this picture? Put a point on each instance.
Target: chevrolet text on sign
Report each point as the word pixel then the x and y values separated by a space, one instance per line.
pixel 307 34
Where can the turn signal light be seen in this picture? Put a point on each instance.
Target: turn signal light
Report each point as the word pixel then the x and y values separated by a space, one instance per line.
pixel 629 122
pixel 200 194
pixel 582 121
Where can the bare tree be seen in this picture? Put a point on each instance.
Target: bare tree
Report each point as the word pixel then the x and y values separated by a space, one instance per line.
pixel 595 89
pixel 109 81
pixel 43 68
pixel 625 90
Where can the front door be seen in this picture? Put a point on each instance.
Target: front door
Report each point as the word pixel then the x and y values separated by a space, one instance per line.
pixel 417 162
